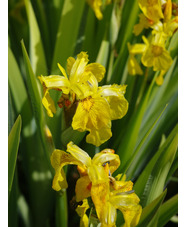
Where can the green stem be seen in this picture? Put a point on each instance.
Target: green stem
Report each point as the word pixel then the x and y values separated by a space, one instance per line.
pixel 61 210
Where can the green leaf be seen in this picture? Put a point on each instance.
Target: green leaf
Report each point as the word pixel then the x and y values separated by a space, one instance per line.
pixel 128 141
pixel 103 53
pixel 173 168
pixel 32 87
pixel 164 125
pixel 150 211
pixel 15 81
pixel 126 36
pixel 72 135
pixel 24 210
pixel 40 11
pixel 161 170
pixel 37 55
pixel 89 33
pixel 142 142
pixel 152 180
pixel 53 8
pixel 67 32
pixel 18 90
pixel 12 202
pixel 13 144
pixel 167 210
pixel 10 112
pixel 35 97
pixel 160 95
pixel 173 46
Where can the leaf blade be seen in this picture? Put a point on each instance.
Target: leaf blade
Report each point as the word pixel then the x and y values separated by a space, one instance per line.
pixel 167 210
pixel 13 144
pixel 44 131
pixel 149 211
pixel 37 54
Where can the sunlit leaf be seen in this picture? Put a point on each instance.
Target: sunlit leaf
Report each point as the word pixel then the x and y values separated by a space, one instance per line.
pixel 37 54
pixel 167 210
pixel 67 32
pixel 35 97
pixel 152 180
pixel 150 210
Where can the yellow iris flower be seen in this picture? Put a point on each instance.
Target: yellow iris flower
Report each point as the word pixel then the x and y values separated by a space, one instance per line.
pixel 153 51
pixel 151 9
pixel 94 114
pixel 156 56
pixel 80 72
pixel 96 106
pixel 96 181
pixel 94 171
pixel 108 196
pixel 153 54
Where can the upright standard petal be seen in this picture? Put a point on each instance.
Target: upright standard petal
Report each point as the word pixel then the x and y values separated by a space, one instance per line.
pixel 113 160
pixel 79 154
pixel 62 71
pixel 97 70
pixel 83 89
pixel 168 11
pixel 97 174
pixel 70 63
pixel 78 68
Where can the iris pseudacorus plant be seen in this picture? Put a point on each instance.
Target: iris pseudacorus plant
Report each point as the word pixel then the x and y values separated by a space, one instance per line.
pixel 97 183
pixel 95 105
pixel 160 17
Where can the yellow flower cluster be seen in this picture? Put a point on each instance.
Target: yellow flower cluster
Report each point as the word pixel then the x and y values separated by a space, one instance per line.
pixel 96 106
pixel 163 20
pixel 107 193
